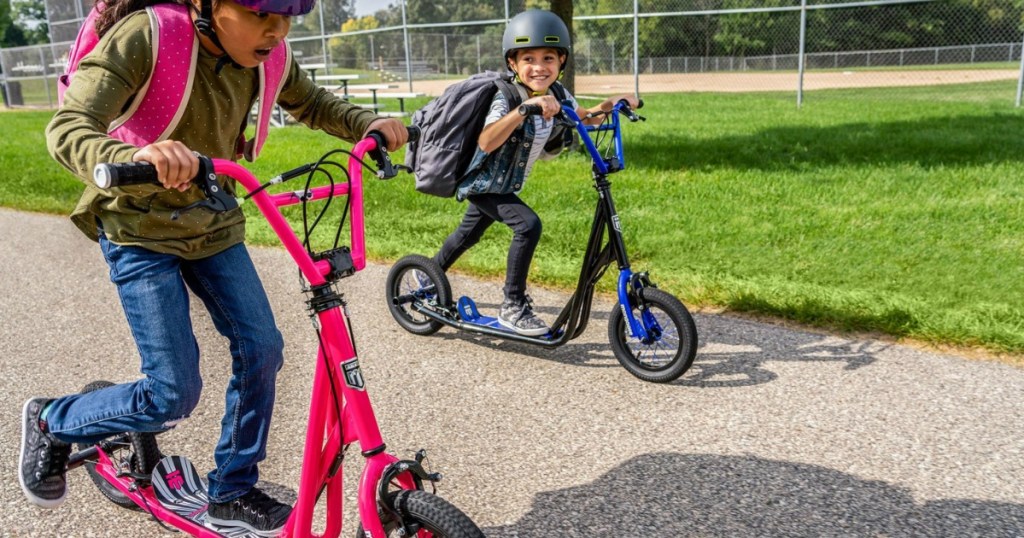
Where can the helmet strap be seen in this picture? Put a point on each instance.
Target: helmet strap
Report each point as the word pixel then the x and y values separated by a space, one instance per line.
pixel 529 91
pixel 204 24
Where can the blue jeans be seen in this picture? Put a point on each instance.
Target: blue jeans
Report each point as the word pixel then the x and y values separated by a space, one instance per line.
pixel 154 294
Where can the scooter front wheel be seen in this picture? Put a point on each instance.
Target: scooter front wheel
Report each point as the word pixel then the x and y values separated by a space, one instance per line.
pixel 417 281
pixel 671 347
pixel 420 510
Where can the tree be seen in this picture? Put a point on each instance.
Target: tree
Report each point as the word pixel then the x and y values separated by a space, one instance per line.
pixel 564 9
pixel 11 34
pixel 30 17
pixel 335 12
pixel 354 51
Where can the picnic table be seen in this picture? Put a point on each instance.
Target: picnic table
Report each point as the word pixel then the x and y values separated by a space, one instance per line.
pixel 342 79
pixel 401 96
pixel 313 68
pixel 29 69
pixel 375 94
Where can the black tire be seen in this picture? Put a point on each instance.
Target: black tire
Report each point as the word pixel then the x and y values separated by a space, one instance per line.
pixel 671 354
pixel 404 281
pixel 138 456
pixel 429 512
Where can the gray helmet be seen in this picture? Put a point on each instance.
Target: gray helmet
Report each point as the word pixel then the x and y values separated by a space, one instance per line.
pixel 536 28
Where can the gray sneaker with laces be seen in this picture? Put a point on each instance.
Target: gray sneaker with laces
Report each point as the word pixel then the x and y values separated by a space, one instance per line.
pixel 519 316
pixel 43 460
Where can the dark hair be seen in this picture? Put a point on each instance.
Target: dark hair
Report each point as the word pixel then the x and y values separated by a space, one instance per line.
pixel 115 10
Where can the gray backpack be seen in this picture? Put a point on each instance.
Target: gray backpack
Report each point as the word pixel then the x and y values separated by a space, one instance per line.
pixel 449 128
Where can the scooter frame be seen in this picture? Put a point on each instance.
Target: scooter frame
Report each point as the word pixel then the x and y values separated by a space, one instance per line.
pixel 340 412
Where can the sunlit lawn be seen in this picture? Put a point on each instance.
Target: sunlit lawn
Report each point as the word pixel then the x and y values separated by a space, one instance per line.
pixel 895 210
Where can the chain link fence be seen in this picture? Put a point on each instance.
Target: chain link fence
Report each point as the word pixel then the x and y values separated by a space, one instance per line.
pixel 791 46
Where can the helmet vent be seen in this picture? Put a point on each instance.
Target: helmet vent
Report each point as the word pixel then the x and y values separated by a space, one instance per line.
pixel 522 39
pixel 552 39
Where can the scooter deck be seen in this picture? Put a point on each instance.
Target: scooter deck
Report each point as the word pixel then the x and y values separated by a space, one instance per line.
pixel 180 489
pixel 469 313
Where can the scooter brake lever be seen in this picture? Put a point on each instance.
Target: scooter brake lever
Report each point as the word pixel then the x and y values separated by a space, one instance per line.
pixel 562 119
pixel 217 199
pixel 385 169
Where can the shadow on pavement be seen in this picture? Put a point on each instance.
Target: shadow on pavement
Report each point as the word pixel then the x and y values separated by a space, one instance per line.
pixel 732 352
pixel 667 494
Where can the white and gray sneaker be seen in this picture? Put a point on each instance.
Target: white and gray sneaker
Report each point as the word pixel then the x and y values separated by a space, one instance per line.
pixel 519 316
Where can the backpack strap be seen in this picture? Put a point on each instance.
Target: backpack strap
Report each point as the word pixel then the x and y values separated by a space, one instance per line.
pixel 154 115
pixel 511 93
pixel 559 92
pixel 272 73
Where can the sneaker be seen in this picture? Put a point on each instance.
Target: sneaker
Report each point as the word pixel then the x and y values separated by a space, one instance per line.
pixel 43 460
pixel 519 316
pixel 255 511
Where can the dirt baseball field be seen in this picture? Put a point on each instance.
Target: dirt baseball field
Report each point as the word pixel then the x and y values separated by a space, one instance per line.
pixel 759 81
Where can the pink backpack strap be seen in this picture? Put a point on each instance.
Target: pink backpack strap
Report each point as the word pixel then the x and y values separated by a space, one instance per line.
pixel 84 43
pixel 154 114
pixel 273 73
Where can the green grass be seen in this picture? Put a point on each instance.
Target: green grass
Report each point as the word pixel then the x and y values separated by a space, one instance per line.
pixel 898 211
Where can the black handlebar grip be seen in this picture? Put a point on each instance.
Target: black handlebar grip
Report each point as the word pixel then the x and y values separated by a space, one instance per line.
pixel 414 133
pixel 119 174
pixel 530 109
pixel 639 103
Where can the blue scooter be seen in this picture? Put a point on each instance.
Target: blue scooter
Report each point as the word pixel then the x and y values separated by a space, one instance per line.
pixel 651 332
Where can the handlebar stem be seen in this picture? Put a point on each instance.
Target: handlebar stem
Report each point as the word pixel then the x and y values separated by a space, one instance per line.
pixel 314 272
pixel 600 166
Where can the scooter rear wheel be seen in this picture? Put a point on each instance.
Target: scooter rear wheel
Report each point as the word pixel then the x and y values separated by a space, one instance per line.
pixel 138 455
pixel 417 280
pixel 670 354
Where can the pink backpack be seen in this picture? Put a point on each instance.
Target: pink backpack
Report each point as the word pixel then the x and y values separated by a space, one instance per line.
pixel 153 115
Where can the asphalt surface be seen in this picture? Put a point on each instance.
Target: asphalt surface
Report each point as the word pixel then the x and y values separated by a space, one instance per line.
pixel 773 432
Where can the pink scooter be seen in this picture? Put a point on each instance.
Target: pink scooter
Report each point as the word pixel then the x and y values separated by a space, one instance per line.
pixel 130 470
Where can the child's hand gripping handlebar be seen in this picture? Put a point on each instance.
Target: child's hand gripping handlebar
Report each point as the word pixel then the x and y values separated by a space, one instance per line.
pixel 533 109
pixel 386 170
pixel 623 107
pixel 122 174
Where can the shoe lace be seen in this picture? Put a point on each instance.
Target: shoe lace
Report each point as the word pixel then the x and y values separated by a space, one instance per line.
pixel 53 456
pixel 527 306
pixel 258 504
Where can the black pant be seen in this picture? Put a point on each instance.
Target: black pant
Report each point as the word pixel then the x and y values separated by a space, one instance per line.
pixel 484 210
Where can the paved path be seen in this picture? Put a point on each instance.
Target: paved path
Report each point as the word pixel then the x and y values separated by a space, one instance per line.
pixel 773 432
